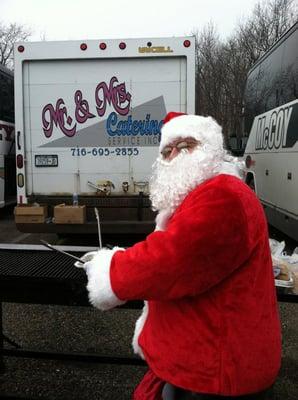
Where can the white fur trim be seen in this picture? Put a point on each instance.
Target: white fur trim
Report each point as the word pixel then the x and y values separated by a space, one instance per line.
pixel 138 329
pixel 232 166
pixel 162 219
pixel 204 129
pixel 101 294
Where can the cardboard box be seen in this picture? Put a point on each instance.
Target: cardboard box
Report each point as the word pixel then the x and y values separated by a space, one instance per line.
pixel 69 214
pixel 30 214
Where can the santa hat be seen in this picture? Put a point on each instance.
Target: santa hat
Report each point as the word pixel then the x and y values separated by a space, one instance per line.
pixel 180 125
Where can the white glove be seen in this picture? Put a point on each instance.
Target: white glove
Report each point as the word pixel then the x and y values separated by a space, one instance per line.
pixel 99 286
pixel 85 258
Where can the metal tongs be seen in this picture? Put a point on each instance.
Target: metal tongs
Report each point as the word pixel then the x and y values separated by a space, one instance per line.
pixel 49 246
pixel 98 228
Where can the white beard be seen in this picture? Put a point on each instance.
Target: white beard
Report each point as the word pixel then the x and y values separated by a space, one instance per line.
pixel 173 180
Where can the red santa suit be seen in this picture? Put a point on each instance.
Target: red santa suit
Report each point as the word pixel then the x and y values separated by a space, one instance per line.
pixel 210 323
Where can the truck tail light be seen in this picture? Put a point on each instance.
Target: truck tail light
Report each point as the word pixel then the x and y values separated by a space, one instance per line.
pixel 21 49
pixel 102 46
pixel 20 161
pixel 122 46
pixel 20 180
pixel 83 46
pixel 186 43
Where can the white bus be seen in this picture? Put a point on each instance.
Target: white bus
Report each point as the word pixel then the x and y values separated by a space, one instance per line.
pixel 7 142
pixel 271 120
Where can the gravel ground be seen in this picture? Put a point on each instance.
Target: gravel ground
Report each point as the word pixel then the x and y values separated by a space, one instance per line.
pixel 88 330
pixel 68 329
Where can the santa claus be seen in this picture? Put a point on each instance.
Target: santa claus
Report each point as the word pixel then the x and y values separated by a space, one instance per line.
pixel 210 322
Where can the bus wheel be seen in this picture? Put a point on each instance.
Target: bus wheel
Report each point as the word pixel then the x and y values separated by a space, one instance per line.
pixel 251 184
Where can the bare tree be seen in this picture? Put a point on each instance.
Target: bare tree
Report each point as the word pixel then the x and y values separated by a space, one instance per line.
pixel 208 73
pixel 223 66
pixel 9 34
pixel 269 20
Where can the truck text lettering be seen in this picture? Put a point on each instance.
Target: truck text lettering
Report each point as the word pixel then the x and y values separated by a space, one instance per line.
pixel 115 95
pixel 130 127
pixel 155 49
pixel 272 130
pixel 60 117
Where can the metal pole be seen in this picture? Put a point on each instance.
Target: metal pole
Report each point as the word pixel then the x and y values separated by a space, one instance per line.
pixel 2 366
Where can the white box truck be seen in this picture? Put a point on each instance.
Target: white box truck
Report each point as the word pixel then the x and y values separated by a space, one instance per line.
pixel 88 120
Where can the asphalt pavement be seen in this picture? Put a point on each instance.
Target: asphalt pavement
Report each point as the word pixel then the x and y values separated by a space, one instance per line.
pixel 87 330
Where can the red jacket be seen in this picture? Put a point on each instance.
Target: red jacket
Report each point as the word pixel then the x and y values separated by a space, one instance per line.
pixel 213 324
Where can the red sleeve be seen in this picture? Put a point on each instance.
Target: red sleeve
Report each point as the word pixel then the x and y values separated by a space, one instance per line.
pixel 205 241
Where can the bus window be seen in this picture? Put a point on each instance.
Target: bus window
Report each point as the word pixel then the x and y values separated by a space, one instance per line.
pixel 290 69
pixel 6 98
pixel 269 84
pixel 250 101
pixel 7 148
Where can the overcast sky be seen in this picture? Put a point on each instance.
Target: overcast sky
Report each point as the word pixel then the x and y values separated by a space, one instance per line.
pixel 97 19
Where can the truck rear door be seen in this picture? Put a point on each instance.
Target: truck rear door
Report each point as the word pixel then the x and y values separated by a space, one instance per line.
pixel 95 120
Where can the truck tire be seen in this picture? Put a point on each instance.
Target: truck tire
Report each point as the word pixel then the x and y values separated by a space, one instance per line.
pixel 250 181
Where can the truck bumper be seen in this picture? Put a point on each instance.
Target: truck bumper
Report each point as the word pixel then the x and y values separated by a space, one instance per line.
pixel 107 227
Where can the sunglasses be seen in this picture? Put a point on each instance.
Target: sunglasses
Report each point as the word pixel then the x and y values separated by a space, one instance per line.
pixel 183 144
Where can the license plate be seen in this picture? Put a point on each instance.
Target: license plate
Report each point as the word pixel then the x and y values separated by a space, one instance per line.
pixel 46 160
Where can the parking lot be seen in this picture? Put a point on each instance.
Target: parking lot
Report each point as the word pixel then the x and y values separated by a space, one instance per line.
pixel 86 330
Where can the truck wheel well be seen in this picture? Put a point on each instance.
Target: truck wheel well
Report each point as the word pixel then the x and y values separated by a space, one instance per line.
pixel 250 181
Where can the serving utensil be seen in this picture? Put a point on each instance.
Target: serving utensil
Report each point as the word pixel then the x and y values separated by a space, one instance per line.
pixel 49 246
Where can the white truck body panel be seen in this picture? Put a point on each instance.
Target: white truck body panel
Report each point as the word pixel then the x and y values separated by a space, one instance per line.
pixel 273 148
pixel 97 112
